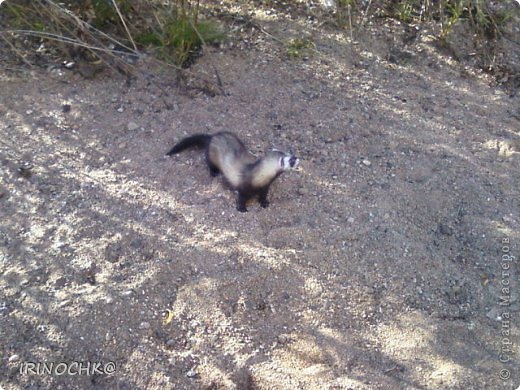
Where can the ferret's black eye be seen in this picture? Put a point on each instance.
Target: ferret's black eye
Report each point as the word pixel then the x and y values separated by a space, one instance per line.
pixel 292 161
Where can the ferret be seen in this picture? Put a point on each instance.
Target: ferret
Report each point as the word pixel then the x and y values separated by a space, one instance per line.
pixel 250 177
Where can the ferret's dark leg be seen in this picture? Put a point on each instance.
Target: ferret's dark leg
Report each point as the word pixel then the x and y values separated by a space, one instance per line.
pixel 262 197
pixel 241 202
pixel 213 170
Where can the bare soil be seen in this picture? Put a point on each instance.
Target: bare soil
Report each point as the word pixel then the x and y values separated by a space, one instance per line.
pixel 382 263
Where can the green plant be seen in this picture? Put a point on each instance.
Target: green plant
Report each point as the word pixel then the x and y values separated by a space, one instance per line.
pixel 24 16
pixel 149 38
pixel 405 10
pixel 449 12
pixel 184 37
pixel 179 34
pixel 174 28
pixel 453 12
pixel 299 47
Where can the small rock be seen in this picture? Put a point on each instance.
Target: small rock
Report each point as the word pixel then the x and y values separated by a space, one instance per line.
pixel 131 126
pixel 66 108
pixel 14 358
pixel 316 370
pixel 120 109
pixel 25 170
pixel 366 163
pixel 144 325
pixel 445 229
pixel 284 339
pixel 113 252
pixel 507 218
pixel 350 219
pixel 191 373
pixel 303 191
pixel 64 303
pixel 329 5
pixel 494 314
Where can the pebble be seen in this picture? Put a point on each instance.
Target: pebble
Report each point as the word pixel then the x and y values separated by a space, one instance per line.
pixel 14 358
pixel 120 109
pixel 316 370
pixel 367 163
pixel 445 229
pixel 64 303
pixel 494 314
pixel 350 219
pixel 144 325
pixel 131 126
pixel 191 373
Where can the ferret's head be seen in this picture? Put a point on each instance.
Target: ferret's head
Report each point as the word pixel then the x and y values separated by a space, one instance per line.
pixel 271 166
pixel 286 161
pixel 289 162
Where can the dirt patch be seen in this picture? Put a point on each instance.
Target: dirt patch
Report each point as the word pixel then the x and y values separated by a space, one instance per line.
pixel 379 264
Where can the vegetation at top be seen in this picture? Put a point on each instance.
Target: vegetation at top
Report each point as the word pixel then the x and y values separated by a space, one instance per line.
pixel 178 30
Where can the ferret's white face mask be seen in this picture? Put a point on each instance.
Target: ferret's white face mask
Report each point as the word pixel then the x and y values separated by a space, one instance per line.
pixel 289 162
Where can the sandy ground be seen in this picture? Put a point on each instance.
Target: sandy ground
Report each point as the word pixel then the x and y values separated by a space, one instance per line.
pixel 384 262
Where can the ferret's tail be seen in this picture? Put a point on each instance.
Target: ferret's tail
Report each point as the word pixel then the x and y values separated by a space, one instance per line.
pixel 198 140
